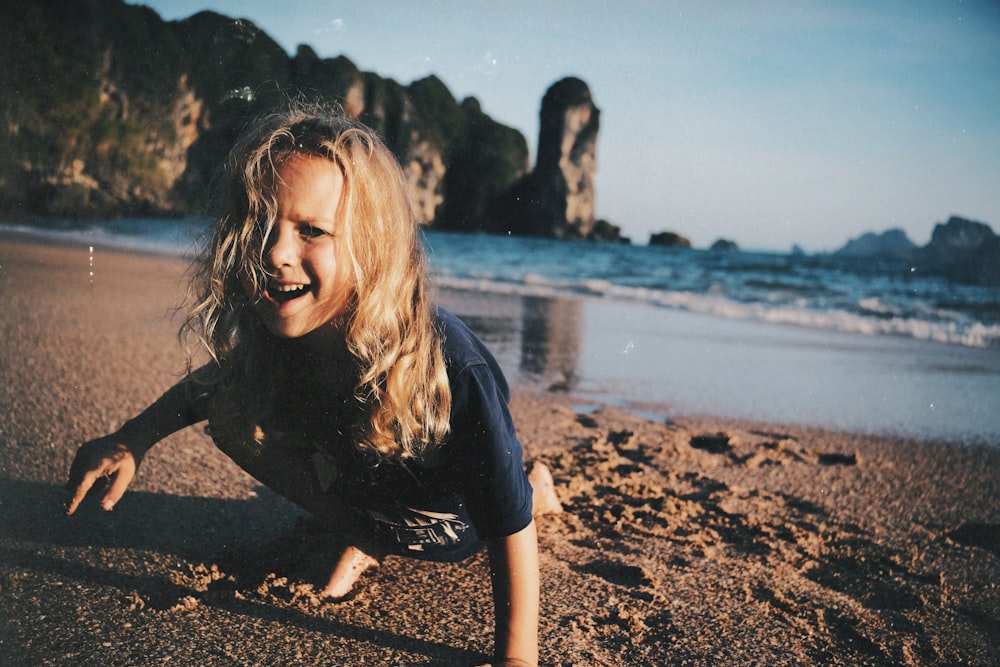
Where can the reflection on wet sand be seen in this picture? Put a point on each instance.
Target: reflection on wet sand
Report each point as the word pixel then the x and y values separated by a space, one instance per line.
pixel 667 362
pixel 550 340
pixel 535 339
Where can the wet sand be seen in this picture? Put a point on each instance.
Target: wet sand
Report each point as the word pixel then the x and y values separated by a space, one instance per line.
pixel 684 542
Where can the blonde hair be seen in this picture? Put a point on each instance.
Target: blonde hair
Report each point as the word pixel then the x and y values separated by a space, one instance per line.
pixel 402 383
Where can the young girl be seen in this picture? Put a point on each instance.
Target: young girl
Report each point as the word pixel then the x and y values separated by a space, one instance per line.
pixel 335 382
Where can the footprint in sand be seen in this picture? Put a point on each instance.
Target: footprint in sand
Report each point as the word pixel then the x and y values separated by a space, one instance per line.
pixel 717 443
pixel 631 577
pixel 982 535
pixel 627 444
pixel 835 459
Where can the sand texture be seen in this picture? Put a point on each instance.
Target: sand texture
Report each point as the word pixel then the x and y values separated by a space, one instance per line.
pixel 693 542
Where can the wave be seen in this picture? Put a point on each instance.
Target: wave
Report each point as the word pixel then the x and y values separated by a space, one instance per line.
pixel 815 292
pixel 951 331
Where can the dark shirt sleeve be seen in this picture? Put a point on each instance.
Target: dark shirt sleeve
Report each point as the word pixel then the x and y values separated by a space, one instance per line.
pixel 486 454
pixel 198 392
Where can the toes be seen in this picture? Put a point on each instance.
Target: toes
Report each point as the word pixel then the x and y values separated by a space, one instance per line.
pixel 352 564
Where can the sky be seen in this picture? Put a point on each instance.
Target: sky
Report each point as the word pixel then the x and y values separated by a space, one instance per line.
pixel 769 123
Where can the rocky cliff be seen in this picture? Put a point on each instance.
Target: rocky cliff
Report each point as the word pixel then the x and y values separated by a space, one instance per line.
pixel 557 198
pixel 108 110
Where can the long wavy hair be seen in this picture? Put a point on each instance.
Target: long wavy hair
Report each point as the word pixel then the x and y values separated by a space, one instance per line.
pixel 402 385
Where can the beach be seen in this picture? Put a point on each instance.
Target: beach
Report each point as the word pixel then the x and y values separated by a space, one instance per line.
pixel 685 539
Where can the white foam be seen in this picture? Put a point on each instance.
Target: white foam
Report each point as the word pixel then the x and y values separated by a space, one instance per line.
pixel 951 331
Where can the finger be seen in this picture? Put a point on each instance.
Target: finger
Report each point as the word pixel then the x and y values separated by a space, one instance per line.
pixel 77 471
pixel 126 471
pixel 89 459
pixel 81 490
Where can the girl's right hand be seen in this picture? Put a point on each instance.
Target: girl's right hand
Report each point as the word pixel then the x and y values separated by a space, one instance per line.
pixel 103 458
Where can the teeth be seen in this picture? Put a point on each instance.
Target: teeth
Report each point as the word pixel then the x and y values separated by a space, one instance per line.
pixel 288 288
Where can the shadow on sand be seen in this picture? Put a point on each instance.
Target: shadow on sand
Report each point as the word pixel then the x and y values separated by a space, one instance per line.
pixel 247 543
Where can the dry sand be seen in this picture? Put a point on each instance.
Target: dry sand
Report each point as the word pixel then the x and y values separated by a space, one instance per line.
pixel 694 542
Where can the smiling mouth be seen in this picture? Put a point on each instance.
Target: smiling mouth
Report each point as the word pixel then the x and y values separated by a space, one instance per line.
pixel 286 293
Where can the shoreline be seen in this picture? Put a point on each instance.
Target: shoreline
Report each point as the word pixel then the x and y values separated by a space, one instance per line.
pixel 661 363
pixel 693 541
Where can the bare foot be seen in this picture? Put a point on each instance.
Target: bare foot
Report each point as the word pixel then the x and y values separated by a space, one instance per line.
pixel 352 564
pixel 543 492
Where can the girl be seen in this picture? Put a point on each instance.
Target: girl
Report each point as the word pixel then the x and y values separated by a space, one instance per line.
pixel 332 378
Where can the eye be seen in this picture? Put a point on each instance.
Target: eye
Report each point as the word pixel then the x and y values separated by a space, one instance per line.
pixel 312 232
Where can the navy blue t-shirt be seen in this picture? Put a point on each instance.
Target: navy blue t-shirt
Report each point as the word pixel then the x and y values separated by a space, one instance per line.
pixel 469 489
pixel 472 488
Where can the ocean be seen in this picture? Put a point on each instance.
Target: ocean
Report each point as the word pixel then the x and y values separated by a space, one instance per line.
pixel 871 346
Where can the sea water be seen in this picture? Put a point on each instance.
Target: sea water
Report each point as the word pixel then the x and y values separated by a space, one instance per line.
pixel 815 291
pixel 880 347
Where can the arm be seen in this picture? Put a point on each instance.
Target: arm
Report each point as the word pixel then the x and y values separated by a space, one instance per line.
pixel 514 571
pixel 118 455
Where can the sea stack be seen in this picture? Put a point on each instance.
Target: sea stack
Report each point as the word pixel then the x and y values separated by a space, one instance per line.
pixel 567 155
pixel 557 199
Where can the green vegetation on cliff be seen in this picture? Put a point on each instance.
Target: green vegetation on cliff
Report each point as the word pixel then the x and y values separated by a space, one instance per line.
pixel 109 110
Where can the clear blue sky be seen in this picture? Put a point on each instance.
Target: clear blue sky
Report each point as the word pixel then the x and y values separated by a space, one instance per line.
pixel 766 122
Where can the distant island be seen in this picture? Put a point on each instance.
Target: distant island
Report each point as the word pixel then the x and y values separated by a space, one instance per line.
pixel 964 250
pixel 110 111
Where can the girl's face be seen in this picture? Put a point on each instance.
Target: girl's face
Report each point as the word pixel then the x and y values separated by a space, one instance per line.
pixel 310 283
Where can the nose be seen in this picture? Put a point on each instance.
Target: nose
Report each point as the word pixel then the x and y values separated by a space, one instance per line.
pixel 282 248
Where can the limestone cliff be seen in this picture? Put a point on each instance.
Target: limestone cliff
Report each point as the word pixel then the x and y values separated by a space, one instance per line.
pixel 108 110
pixel 567 148
pixel 557 199
pixel 956 239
